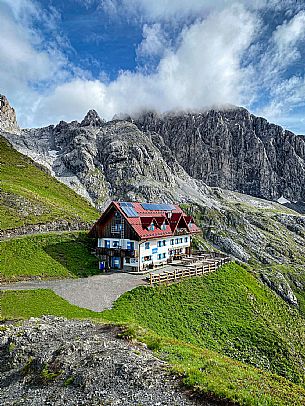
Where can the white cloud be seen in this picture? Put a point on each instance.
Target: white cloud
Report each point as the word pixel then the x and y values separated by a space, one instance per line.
pixel 290 32
pixel 285 93
pixel 204 70
pixel 155 10
pixel 154 42
pixel 283 48
pixel 27 61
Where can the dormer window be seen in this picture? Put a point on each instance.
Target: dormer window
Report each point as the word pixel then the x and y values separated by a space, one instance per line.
pixel 190 224
pixel 151 227
pixel 163 226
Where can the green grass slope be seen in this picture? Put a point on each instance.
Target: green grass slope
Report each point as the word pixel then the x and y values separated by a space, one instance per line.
pixel 29 195
pixel 212 375
pixel 47 256
pixel 228 311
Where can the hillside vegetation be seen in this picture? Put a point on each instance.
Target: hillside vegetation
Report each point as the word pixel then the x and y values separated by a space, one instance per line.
pixel 228 311
pixel 31 196
pixel 227 334
pixel 47 256
pixel 252 230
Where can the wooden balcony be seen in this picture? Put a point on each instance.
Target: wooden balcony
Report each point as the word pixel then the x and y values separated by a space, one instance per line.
pixel 116 252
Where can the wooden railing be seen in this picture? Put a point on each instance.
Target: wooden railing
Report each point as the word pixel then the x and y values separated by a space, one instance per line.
pixel 187 271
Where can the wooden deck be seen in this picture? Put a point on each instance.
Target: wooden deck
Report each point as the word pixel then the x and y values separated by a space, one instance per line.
pixel 193 266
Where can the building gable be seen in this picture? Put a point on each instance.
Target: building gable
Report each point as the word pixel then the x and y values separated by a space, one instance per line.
pixel 142 221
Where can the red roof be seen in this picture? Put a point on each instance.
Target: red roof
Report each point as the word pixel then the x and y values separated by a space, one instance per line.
pixel 169 218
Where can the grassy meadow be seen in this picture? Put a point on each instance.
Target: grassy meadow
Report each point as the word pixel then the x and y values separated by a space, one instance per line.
pixel 47 256
pixel 226 334
pixel 29 195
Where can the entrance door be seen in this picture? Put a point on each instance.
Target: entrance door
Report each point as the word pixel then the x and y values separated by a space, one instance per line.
pixel 116 262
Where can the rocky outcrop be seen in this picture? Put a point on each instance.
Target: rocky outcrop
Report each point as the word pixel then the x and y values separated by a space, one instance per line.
pixel 276 281
pixel 8 121
pixel 53 361
pixel 234 150
pixel 252 229
pixel 113 160
pixel 92 119
pixel 158 158
pixel 53 226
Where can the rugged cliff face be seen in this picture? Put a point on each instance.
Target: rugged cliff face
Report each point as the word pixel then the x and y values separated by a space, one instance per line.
pixel 110 160
pixel 234 150
pixel 161 158
pixel 8 120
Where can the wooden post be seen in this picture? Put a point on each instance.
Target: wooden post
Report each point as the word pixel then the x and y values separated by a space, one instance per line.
pixel 151 279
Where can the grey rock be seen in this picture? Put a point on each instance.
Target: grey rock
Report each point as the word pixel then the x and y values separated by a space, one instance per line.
pixel 234 150
pixel 92 119
pixel 170 157
pixel 8 121
pixel 277 282
pixel 57 225
pixel 53 361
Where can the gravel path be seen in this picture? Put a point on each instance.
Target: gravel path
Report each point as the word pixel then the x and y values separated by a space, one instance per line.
pixel 95 292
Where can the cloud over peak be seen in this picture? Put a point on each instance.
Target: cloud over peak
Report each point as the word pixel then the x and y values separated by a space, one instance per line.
pixel 192 55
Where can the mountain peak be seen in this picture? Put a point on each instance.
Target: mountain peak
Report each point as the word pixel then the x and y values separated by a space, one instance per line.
pixel 8 121
pixel 92 119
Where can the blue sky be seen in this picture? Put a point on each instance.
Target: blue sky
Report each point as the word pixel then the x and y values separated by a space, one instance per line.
pixel 58 58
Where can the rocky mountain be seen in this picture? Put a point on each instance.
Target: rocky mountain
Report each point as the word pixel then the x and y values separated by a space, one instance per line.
pixel 8 121
pixel 143 159
pixel 233 149
pixel 107 160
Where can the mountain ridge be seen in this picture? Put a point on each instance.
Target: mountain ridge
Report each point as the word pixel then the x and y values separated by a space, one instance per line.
pixel 235 150
pixel 116 160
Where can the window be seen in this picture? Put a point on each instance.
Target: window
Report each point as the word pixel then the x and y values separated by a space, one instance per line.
pixel 177 240
pixel 147 245
pixel 186 239
pixel 190 224
pixel 159 243
pixel 116 228
pixel 115 244
pixel 127 260
pixel 159 256
pixel 163 227
pixel 107 244
pixel 164 243
pixel 172 242
pixel 151 227
pixel 146 258
pixel 164 255
pixel 130 245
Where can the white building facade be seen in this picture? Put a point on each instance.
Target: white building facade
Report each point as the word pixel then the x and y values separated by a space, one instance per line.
pixel 151 253
pixel 140 236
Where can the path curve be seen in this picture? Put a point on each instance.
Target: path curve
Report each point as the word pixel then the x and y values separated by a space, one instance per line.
pixel 96 292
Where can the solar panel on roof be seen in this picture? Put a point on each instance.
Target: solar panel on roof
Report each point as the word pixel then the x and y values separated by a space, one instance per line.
pixel 129 211
pixel 126 204
pixel 158 206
